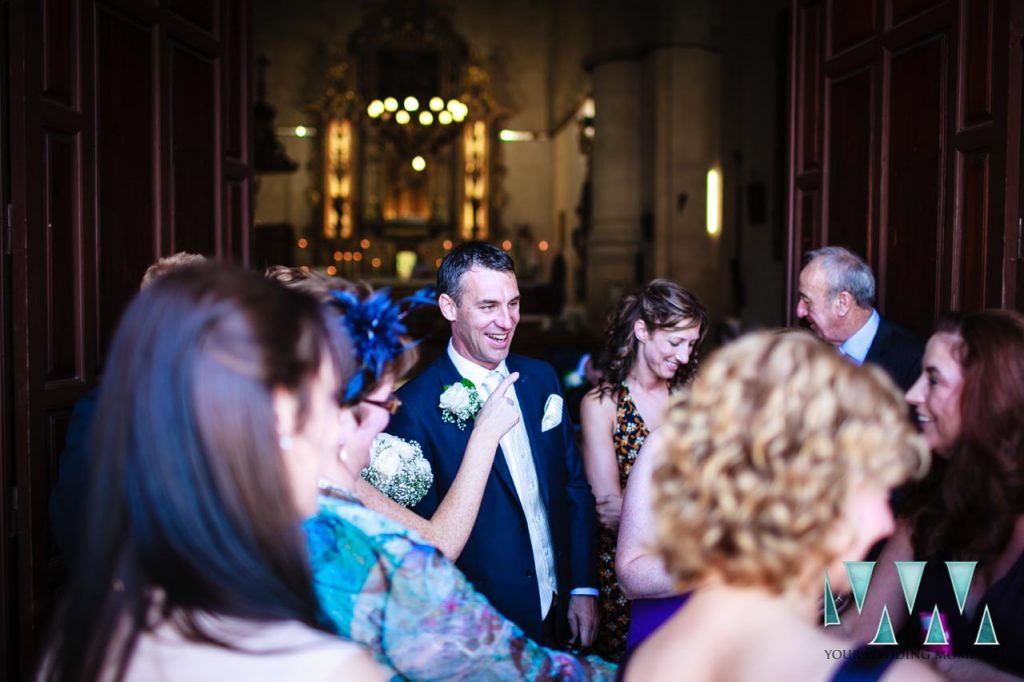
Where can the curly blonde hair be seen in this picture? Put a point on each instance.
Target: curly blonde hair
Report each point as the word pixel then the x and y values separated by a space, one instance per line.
pixel 761 453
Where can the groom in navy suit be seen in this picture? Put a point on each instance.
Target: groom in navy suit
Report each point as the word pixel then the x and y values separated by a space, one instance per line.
pixel 531 551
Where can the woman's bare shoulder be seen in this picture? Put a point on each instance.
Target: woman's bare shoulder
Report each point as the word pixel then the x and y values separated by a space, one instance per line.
pixel 599 401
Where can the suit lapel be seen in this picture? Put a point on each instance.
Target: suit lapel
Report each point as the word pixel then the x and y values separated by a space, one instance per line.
pixel 876 351
pixel 529 394
pixel 450 375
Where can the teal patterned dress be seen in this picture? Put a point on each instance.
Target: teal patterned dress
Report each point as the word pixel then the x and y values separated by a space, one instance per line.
pixel 383 586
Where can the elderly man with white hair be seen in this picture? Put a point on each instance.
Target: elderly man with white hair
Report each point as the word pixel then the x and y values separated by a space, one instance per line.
pixel 837 297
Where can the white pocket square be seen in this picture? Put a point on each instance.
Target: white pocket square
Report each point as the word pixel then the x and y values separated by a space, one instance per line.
pixel 552 413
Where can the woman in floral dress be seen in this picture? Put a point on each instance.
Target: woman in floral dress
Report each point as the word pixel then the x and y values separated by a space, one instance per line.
pixel 650 350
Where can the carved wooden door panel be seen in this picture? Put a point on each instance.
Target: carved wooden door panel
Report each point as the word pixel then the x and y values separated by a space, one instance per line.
pixel 129 139
pixel 905 146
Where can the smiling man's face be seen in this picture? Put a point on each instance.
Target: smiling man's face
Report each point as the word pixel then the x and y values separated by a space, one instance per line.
pixel 485 317
pixel 817 307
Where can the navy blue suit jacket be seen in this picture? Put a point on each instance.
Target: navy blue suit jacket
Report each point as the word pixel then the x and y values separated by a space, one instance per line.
pixel 498 558
pixel 68 498
pixel 898 352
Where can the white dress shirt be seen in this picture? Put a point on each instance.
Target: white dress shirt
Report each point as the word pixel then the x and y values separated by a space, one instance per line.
pixel 515 445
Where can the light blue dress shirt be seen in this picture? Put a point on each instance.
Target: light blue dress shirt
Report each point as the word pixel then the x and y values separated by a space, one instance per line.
pixel 857 346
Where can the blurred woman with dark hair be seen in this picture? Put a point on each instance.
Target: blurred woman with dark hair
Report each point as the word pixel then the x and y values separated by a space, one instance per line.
pixel 650 350
pixel 217 410
pixel 969 401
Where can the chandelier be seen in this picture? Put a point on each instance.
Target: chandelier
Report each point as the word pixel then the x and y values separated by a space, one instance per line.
pixel 445 114
pixel 417 129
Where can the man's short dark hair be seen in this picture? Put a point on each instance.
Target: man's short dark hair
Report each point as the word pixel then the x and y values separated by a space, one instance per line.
pixel 466 256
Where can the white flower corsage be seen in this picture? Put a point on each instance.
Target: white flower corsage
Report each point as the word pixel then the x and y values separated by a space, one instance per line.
pixel 459 403
pixel 398 469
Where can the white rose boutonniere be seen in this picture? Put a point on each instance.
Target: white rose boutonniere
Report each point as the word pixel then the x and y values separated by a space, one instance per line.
pixel 398 469
pixel 459 403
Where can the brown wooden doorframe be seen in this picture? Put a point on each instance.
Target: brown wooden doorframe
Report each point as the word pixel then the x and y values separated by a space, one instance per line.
pixel 8 623
pixel 1013 280
pixel 18 497
pixel 128 129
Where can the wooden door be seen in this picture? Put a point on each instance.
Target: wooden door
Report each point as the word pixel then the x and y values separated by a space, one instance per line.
pixel 905 120
pixel 129 139
pixel 8 626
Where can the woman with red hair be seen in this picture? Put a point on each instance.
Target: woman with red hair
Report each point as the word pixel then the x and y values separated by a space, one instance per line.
pixel 969 402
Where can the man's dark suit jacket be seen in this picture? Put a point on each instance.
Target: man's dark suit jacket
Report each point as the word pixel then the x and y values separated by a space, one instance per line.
pixel 67 501
pixel 898 352
pixel 498 558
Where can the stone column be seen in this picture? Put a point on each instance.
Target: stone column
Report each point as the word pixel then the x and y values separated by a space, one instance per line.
pixel 621 172
pixel 656 72
pixel 618 185
pixel 687 128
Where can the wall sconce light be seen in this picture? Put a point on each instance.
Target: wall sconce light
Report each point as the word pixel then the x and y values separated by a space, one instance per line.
pixel 714 207
pixel 506 135
pixel 296 131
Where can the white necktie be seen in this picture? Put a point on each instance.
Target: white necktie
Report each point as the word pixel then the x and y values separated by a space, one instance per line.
pixel 516 447
pixel 490 383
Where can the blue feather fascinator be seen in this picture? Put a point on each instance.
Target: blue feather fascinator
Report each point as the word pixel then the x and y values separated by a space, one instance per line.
pixel 377 329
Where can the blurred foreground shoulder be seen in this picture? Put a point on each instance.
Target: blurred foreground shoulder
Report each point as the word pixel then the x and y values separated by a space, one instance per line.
pixel 256 653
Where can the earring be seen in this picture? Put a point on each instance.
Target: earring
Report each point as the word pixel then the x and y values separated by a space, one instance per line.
pixel 343 455
pixel 286 443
